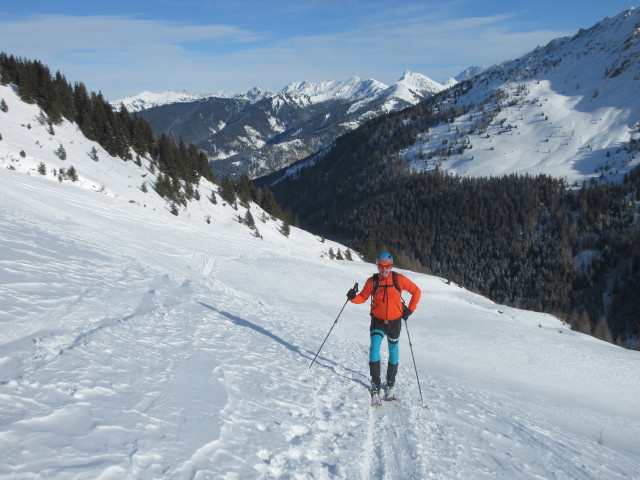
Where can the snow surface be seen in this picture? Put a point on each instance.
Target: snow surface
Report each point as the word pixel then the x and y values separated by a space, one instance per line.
pixel 142 345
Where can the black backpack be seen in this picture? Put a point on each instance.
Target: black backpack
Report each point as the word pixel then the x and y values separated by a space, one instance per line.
pixel 376 282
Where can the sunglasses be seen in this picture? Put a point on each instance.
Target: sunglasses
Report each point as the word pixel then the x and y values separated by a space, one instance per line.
pixel 384 267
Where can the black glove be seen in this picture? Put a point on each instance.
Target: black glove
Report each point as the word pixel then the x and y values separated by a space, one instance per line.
pixel 351 294
pixel 406 312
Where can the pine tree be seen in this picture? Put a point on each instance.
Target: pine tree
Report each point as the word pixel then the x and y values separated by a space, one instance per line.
pixel 72 174
pixel 61 153
pixel 63 94
pixel 163 186
pixel 286 228
pixel 228 191
pixel 269 203
pixel 248 219
pixel 369 251
pixel 244 188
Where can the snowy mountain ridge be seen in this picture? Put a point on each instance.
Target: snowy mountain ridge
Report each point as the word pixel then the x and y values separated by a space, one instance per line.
pixel 353 89
pixel 139 344
pixel 147 99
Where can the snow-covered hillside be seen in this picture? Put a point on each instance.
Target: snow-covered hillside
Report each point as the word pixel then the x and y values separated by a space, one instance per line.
pixel 138 344
pixel 569 110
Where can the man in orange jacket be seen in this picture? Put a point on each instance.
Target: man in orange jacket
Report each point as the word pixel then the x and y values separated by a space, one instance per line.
pixel 387 311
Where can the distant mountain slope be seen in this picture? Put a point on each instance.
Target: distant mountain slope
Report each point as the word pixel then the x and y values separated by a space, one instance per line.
pixel 260 132
pixel 570 109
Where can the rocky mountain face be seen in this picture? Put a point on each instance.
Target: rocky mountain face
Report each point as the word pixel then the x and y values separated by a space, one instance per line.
pixel 261 132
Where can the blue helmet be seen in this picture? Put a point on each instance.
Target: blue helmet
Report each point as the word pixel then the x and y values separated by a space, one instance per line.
pixel 384 259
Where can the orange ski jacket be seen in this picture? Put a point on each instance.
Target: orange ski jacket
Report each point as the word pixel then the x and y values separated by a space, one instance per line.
pixel 386 303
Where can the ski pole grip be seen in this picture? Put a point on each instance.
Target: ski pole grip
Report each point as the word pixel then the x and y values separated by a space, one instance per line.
pixel 355 287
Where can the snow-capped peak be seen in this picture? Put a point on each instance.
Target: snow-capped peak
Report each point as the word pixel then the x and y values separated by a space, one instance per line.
pixel 419 81
pixel 468 73
pixel 413 87
pixel 256 93
pixel 352 89
pixel 146 100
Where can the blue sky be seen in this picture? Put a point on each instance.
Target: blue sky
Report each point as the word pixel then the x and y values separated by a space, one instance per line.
pixel 122 48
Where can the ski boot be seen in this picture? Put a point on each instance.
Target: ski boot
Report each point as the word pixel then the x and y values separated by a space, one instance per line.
pixel 376 388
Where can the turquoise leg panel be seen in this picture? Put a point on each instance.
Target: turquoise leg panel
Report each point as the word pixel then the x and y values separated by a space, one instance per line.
pixel 374 348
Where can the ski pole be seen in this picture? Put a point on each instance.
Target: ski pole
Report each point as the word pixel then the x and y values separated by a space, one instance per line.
pixel 355 287
pixel 414 360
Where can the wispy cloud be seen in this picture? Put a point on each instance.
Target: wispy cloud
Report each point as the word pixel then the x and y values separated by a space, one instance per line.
pixel 56 34
pixel 123 55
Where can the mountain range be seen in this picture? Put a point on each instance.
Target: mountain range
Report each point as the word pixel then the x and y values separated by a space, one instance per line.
pixel 569 109
pixel 259 132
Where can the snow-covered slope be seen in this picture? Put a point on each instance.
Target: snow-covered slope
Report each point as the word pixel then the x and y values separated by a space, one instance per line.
pixel 569 109
pixel 138 344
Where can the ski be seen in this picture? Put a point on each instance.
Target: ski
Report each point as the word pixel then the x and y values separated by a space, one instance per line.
pixel 390 396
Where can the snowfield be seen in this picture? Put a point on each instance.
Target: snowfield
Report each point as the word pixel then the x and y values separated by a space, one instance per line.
pixel 564 139
pixel 135 344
